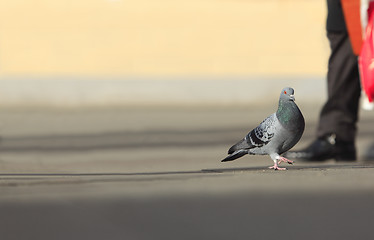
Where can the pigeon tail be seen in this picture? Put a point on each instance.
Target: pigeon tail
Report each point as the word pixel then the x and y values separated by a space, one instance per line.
pixel 235 155
pixel 242 144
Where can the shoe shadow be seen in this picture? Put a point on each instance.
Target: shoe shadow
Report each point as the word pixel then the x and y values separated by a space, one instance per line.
pixel 293 167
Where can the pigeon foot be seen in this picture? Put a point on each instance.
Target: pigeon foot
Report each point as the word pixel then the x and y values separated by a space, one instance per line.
pixel 275 167
pixel 283 159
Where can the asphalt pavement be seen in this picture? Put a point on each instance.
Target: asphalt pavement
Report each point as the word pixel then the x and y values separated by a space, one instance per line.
pixel 155 173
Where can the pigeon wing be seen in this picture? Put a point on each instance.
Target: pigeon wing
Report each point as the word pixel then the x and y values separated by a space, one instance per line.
pixel 258 137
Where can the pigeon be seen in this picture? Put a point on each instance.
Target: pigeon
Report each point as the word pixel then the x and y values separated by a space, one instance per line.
pixel 277 134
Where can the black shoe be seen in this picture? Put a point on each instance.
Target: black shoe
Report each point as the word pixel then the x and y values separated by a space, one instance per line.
pixel 326 148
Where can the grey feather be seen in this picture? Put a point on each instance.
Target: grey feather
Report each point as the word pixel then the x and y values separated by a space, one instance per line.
pixel 235 155
pixel 276 134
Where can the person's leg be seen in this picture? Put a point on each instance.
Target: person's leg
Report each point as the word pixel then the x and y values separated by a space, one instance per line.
pixel 337 129
pixel 339 115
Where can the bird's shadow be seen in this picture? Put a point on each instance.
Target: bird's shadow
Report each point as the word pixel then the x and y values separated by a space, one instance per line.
pixel 293 167
pixel 202 171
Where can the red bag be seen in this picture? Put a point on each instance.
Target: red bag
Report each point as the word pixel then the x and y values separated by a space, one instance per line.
pixel 352 16
pixel 366 60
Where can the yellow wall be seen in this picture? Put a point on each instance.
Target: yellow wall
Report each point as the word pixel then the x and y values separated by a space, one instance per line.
pixel 162 37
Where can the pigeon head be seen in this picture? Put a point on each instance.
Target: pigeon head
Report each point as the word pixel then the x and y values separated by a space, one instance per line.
pixel 287 94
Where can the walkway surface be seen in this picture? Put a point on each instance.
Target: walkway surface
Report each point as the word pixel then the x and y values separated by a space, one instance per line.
pixel 155 173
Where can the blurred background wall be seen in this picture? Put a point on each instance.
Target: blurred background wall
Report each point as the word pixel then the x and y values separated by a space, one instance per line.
pixel 76 52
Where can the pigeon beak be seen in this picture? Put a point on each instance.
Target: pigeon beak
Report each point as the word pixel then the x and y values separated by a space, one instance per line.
pixel 292 97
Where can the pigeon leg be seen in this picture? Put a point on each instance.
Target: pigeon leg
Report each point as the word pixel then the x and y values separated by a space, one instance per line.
pixel 275 157
pixel 275 167
pixel 283 159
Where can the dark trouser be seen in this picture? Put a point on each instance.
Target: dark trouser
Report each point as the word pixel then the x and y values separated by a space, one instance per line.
pixel 339 115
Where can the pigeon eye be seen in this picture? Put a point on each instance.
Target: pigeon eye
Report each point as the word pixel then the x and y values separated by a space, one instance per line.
pixel 285 92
